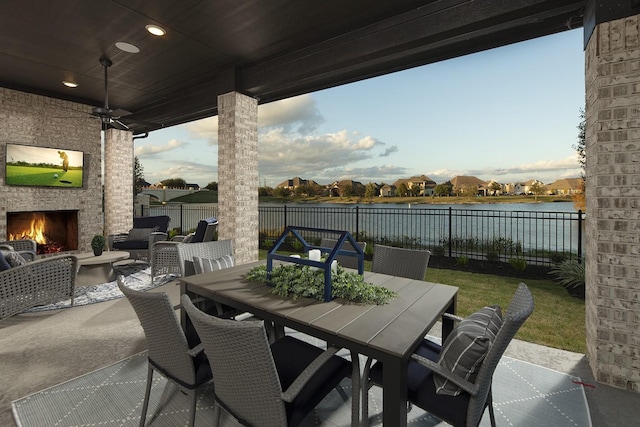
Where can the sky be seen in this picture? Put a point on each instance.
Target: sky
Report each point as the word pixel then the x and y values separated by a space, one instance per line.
pixel 509 114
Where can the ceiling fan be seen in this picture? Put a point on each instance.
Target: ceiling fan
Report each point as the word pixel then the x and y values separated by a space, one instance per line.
pixel 109 117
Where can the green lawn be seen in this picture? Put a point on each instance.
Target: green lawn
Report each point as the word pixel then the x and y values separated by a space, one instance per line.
pixel 558 319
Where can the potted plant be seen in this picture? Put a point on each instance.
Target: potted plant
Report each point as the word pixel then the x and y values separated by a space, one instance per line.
pixel 97 244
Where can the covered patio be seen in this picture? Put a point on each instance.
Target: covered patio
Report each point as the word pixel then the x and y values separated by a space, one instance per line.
pixel 227 59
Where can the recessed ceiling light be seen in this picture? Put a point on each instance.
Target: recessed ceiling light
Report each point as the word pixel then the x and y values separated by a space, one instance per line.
pixel 155 30
pixel 70 84
pixel 127 47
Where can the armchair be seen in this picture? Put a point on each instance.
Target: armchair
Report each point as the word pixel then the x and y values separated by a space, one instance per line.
pixel 177 257
pixel 344 260
pixel 410 263
pixel 140 239
pixel 39 282
pixel 262 384
pixel 27 248
pixel 177 356
pixel 453 381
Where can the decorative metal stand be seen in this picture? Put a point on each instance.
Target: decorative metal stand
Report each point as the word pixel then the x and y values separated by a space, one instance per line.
pixel 325 265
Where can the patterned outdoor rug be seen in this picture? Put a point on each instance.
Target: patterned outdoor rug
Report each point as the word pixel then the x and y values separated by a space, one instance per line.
pixel 137 276
pixel 524 395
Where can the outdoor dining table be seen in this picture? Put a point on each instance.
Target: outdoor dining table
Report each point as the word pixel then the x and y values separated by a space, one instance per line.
pixel 388 333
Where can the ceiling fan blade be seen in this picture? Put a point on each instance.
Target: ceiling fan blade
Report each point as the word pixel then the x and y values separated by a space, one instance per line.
pixel 119 125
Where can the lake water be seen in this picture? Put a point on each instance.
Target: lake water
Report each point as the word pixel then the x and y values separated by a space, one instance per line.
pixel 531 226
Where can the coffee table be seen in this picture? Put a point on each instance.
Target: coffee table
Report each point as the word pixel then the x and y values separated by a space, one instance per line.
pixel 94 270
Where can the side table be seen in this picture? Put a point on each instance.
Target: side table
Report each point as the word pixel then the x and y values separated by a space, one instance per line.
pixel 94 270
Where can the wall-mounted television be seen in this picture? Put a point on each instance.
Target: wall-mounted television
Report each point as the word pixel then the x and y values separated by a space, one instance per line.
pixel 34 166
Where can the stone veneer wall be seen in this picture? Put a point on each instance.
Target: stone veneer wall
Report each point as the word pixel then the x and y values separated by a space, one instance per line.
pixel 613 203
pixel 118 181
pixel 37 120
pixel 238 174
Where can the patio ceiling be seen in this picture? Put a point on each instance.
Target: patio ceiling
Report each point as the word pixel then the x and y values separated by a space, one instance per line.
pixel 266 49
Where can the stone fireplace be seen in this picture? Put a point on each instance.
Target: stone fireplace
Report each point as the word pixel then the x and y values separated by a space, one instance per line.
pixel 53 231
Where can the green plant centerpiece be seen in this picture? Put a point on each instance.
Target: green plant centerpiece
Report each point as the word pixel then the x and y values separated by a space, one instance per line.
pixel 97 244
pixel 293 280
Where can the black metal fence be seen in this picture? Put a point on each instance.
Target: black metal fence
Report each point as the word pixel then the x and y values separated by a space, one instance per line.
pixel 540 238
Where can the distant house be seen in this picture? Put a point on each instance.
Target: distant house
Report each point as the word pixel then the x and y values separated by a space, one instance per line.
pixel 388 190
pixel 520 188
pixel 566 186
pixel 346 188
pixel 422 185
pixel 492 188
pixel 461 184
pixel 192 187
pixel 293 183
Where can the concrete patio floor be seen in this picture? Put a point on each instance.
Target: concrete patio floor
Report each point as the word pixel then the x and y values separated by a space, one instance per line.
pixel 39 350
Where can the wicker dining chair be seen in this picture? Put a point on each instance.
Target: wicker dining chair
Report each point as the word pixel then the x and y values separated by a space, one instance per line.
pixel 176 356
pixel 410 263
pixel 435 382
pixel 267 385
pixel 346 261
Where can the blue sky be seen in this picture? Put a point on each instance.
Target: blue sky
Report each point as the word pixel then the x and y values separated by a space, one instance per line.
pixel 508 114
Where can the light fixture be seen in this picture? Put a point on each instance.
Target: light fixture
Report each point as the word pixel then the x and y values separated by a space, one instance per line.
pixel 70 84
pixel 155 30
pixel 127 47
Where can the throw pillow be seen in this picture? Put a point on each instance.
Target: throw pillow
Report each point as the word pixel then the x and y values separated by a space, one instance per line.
pixel 466 346
pixel 4 265
pixel 14 259
pixel 205 265
pixel 140 233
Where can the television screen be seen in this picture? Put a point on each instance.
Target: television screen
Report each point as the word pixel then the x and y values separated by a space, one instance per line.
pixel 43 167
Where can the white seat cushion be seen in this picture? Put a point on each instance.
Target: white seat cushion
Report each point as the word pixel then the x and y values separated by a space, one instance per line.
pixel 205 265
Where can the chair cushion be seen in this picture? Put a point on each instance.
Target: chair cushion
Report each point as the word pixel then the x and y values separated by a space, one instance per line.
pixel 421 390
pixel 141 233
pixel 291 357
pixel 4 265
pixel 205 265
pixel 131 244
pixel 160 223
pixel 200 230
pixel 466 346
pixel 14 258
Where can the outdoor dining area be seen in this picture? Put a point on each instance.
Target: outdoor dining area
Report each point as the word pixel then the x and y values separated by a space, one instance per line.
pixel 224 345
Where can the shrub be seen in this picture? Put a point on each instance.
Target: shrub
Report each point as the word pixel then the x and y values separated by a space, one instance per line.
pixel 571 274
pixel 462 260
pixel 492 256
pixel 438 251
pixel 520 264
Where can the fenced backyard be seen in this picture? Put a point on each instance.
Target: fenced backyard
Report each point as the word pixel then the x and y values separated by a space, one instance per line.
pixel 541 238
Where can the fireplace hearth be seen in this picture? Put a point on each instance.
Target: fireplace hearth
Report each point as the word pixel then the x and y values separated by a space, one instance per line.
pixel 53 231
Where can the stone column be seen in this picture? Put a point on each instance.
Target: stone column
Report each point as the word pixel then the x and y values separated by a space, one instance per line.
pixel 238 174
pixel 613 203
pixel 118 181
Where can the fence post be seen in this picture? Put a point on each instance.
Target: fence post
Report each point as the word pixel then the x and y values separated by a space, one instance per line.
pixel 182 231
pixel 579 236
pixel 357 222
pixel 450 230
pixel 285 217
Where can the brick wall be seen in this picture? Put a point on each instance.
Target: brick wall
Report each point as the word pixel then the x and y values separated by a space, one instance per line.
pixel 238 174
pixel 36 120
pixel 613 203
pixel 118 181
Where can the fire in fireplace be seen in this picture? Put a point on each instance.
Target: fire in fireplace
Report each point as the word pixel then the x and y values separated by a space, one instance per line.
pixel 53 231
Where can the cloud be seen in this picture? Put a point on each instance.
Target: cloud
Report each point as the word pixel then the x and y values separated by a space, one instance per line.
pixel 284 155
pixel 389 151
pixel 298 114
pixel 192 172
pixel 543 170
pixel 152 149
